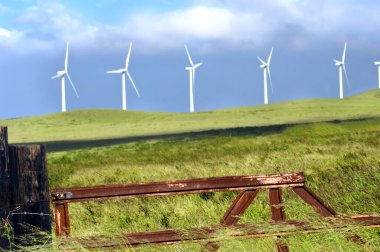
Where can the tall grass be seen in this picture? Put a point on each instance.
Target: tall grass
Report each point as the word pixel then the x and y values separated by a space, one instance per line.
pixel 341 162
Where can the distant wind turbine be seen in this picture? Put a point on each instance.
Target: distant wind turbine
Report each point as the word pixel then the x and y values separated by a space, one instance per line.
pixel 124 71
pixel 266 67
pixel 342 67
pixel 62 74
pixel 377 63
pixel 191 70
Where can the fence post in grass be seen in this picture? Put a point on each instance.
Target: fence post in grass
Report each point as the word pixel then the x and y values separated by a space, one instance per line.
pixel 30 193
pixel 4 188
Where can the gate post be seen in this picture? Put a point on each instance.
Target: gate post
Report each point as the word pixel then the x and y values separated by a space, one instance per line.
pixel 5 195
pixel 24 200
pixel 30 191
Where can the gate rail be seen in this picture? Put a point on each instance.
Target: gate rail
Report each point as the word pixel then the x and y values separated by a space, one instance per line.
pixel 249 187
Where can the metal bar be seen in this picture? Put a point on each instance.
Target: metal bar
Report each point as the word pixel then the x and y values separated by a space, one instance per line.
pixel 278 215
pixel 178 187
pixel 61 219
pixel 174 193
pixel 238 207
pixel 313 200
pixel 277 209
pixel 280 246
pixel 168 237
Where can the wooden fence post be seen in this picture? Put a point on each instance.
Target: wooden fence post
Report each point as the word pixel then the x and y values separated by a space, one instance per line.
pixel 24 198
pixel 30 191
pixel 4 187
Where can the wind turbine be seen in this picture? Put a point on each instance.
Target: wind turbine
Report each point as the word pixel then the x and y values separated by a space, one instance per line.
pixel 342 67
pixel 62 74
pixel 191 70
pixel 124 71
pixel 266 67
pixel 377 63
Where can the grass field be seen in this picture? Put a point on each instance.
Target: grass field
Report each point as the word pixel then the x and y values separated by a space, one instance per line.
pixel 335 142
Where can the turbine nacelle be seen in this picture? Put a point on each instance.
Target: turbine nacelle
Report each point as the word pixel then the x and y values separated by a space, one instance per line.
pixel 60 74
pixel 338 63
pixel 377 63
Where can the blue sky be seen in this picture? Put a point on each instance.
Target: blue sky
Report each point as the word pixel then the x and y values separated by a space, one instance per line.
pixel 227 36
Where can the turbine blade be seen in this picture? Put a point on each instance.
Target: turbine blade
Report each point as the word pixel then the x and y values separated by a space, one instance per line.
pixel 116 71
pixel 270 79
pixel 345 74
pixel 56 76
pixel 270 56
pixel 67 55
pixel 188 55
pixel 133 84
pixel 262 61
pixel 129 55
pixel 344 53
pixel 198 65
pixel 72 84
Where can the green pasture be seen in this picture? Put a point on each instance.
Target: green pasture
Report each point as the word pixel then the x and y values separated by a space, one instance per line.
pixel 335 142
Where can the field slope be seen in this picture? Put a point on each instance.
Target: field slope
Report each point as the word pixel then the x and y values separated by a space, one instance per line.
pixel 114 124
pixel 335 142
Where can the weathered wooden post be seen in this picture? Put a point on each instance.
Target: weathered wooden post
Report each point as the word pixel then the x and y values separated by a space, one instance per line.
pixel 27 198
pixel 4 186
pixel 30 191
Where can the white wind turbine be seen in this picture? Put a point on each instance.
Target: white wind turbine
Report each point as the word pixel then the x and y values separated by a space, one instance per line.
pixel 342 67
pixel 124 71
pixel 62 74
pixel 191 70
pixel 377 63
pixel 266 67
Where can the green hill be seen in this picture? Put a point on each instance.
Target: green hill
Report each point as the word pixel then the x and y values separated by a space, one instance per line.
pixel 114 124
pixel 335 142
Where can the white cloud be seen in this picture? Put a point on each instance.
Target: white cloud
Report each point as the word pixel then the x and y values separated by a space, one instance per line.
pixel 53 21
pixel 4 33
pixel 236 24
pixel 197 23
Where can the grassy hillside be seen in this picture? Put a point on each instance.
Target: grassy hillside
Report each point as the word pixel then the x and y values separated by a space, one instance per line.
pixel 341 161
pixel 115 124
pixel 339 154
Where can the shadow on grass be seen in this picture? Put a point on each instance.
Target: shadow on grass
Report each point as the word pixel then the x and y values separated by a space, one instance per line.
pixel 67 145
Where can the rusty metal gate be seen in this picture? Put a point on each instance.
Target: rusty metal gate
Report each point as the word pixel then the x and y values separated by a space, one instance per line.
pixel 248 186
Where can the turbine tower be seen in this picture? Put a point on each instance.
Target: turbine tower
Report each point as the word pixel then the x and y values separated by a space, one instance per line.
pixel 62 74
pixel 377 63
pixel 124 71
pixel 266 68
pixel 191 70
pixel 342 67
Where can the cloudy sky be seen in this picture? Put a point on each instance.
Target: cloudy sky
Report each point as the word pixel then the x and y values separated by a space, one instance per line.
pixel 227 36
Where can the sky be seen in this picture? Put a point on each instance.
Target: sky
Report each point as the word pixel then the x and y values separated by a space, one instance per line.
pixel 227 36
